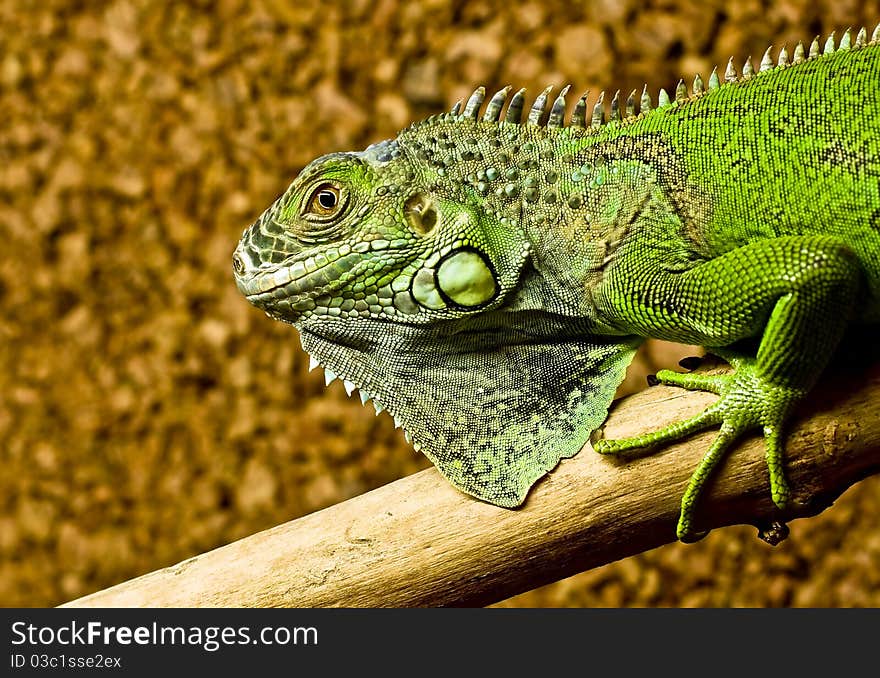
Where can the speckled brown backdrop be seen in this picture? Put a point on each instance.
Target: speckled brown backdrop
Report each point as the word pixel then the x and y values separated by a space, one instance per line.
pixel 147 412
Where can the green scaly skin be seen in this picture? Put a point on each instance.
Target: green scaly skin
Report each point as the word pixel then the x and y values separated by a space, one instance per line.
pixel 488 280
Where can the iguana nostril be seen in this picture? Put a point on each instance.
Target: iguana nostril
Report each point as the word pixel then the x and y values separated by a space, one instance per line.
pixel 237 264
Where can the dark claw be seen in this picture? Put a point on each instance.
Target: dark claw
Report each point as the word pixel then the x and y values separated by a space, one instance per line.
pixel 652 380
pixel 773 533
pixel 691 362
pixel 693 537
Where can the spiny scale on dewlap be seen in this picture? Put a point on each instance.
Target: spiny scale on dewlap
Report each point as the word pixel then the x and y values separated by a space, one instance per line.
pixel 488 278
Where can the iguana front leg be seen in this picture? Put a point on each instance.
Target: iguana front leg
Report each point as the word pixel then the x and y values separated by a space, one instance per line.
pixel 795 293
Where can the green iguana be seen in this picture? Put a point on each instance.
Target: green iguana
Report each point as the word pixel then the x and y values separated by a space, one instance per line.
pixel 487 280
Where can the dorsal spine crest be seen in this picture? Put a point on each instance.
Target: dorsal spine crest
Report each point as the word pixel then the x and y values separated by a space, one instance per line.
pixel 554 116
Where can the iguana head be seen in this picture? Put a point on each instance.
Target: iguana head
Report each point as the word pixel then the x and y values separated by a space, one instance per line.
pixel 406 269
pixel 378 235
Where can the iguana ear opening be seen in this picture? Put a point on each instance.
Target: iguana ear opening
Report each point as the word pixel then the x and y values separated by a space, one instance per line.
pixel 421 214
pixel 493 411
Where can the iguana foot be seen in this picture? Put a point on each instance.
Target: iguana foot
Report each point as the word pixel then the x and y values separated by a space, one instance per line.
pixel 747 401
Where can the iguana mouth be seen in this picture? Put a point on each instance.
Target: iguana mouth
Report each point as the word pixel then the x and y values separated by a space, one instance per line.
pixel 290 280
pixel 283 281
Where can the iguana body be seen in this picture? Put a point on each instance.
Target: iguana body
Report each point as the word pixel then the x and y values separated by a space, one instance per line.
pixel 488 280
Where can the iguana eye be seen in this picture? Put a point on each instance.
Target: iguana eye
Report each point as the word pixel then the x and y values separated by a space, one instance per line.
pixel 321 212
pixel 325 201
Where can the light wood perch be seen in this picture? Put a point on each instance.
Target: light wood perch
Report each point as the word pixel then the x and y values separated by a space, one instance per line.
pixel 420 542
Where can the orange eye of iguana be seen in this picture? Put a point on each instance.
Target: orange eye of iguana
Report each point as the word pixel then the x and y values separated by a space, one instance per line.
pixel 322 213
pixel 324 201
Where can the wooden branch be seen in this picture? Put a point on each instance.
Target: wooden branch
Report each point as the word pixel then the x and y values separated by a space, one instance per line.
pixel 420 542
